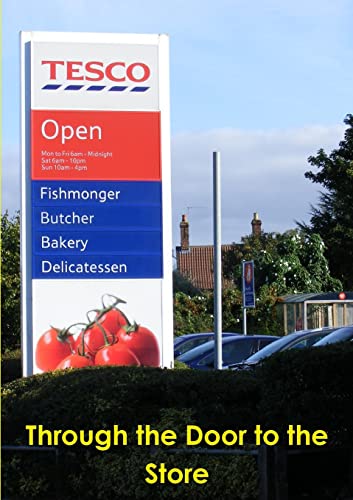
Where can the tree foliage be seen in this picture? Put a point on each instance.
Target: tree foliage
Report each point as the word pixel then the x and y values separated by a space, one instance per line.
pixel 332 218
pixel 10 282
pixel 191 314
pixel 182 284
pixel 292 262
pixel 195 314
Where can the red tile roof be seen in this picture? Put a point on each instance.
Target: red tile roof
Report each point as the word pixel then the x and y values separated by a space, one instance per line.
pixel 196 264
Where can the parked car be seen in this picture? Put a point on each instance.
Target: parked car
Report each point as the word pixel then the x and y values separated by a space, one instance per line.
pixel 339 335
pixel 188 341
pixel 234 349
pixel 295 340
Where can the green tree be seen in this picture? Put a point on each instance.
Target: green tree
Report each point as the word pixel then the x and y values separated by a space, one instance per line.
pixel 332 218
pixel 183 284
pixel 192 314
pixel 10 282
pixel 195 314
pixel 292 262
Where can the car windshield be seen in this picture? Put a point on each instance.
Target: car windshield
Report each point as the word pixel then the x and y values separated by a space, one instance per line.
pixel 197 351
pixel 275 346
pixel 233 351
pixel 178 340
pixel 339 335
pixel 191 343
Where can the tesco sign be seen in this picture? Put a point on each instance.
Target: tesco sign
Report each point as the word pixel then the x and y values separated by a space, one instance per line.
pixel 96 71
pixel 96 235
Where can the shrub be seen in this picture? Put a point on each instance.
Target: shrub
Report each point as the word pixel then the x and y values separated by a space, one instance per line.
pixel 312 387
pixel 11 366
pixel 10 282
pixel 97 398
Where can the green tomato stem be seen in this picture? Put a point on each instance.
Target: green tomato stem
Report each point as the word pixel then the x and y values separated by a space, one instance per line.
pixel 117 301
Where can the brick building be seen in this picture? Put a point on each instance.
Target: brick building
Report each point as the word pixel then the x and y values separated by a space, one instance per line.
pixel 196 262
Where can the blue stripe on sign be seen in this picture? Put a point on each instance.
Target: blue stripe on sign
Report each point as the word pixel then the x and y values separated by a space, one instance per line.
pixel 97 217
pixel 96 193
pixel 139 89
pixel 117 88
pixel 83 243
pixel 98 267
pixel 51 86
pixel 74 87
pixel 96 87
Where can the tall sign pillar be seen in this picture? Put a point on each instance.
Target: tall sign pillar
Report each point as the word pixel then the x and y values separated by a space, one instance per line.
pixel 96 188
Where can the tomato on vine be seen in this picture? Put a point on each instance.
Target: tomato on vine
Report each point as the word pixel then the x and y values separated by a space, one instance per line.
pixel 142 342
pixel 74 361
pixel 112 320
pixel 110 316
pixel 116 355
pixel 52 347
pixel 92 338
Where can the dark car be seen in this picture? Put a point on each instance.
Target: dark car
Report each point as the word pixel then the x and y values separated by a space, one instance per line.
pixel 234 349
pixel 295 340
pixel 340 335
pixel 188 341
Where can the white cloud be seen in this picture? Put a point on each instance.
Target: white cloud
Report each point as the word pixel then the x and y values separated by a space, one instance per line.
pixel 261 171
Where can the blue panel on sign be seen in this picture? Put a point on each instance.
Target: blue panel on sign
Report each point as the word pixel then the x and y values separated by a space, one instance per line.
pixel 97 229
pixel 248 284
pixel 100 193
pixel 92 217
pixel 98 267
pixel 101 242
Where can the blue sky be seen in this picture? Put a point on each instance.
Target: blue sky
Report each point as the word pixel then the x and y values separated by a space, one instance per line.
pixel 267 83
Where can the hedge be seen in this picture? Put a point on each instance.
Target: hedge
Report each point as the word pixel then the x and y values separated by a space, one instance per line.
pixel 311 387
pixel 102 397
pixel 99 397
pixel 11 366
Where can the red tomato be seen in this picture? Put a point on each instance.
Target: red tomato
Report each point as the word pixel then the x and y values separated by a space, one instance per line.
pixel 94 340
pixel 142 342
pixel 74 361
pixel 52 347
pixel 116 355
pixel 113 320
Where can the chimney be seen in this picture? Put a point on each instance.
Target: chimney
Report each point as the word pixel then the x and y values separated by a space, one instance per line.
pixel 256 225
pixel 184 233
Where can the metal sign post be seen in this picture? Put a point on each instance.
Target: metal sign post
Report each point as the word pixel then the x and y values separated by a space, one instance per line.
pixel 244 322
pixel 217 262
